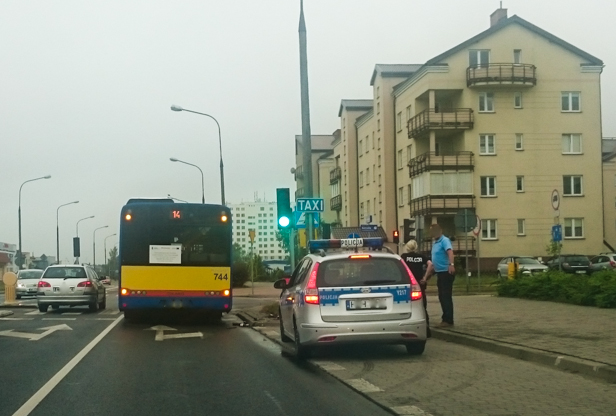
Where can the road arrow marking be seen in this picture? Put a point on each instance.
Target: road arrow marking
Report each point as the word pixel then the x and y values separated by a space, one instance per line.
pixel 35 337
pixel 160 333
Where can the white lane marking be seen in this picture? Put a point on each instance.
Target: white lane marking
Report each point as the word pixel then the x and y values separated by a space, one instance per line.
pixel 101 319
pixel 276 402
pixel 59 319
pixel 38 397
pixel 363 386
pixel 16 319
pixel 35 313
pixel 109 312
pixel 71 313
pixel 160 333
pixel 6 313
pixel 329 366
pixel 410 411
pixel 35 337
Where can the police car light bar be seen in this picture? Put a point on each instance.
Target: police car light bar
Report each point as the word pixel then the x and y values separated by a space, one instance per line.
pixel 346 243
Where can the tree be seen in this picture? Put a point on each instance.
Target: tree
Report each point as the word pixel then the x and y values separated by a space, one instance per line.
pixel 112 262
pixel 553 248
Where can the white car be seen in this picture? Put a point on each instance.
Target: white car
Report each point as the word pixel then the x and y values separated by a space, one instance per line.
pixel 27 281
pixel 70 286
pixel 358 294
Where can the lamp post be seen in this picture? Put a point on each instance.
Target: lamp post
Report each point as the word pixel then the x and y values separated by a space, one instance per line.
pixel 58 229
pixel 202 177
pixel 105 245
pixel 176 199
pixel 20 259
pixel 94 244
pixel 77 234
pixel 222 173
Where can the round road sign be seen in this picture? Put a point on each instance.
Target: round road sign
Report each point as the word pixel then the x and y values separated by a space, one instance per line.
pixel 555 199
pixel 477 229
pixel 9 279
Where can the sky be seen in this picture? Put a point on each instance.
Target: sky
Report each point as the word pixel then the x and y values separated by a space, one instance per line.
pixel 86 89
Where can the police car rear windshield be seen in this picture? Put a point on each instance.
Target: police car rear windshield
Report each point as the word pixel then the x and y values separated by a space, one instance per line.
pixel 362 272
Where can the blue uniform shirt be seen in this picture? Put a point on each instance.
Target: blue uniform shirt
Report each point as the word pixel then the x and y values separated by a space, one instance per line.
pixel 440 258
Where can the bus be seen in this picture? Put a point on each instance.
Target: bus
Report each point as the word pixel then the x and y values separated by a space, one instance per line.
pixel 174 256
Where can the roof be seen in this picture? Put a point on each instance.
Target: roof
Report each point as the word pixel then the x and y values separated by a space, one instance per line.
pixel 394 70
pixel 357 105
pixel 345 232
pixel 320 142
pixel 516 20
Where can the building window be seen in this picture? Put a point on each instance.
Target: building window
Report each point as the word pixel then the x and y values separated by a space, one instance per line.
pixel 488 230
pixel 519 183
pixel 380 197
pixel 572 144
pixel 408 113
pixel 367 176
pixel 361 148
pixel 399 121
pixel 409 154
pixel 571 102
pixel 517 100
pixel 378 108
pixel 521 226
pixel 367 144
pixel 361 178
pixel 368 210
pixel 361 210
pixel 572 185
pixel 379 159
pixel 400 159
pixel 401 196
pixel 378 124
pixel 379 180
pixel 486 102
pixel 519 141
pixel 486 144
pixel 373 140
pixel 373 173
pixel 379 140
pixel 517 56
pixel 488 186
pixel 574 227
pixel 378 92
pixel 478 57
pixel 408 194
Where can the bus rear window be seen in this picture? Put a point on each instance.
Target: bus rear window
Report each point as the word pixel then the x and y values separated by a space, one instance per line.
pixel 362 272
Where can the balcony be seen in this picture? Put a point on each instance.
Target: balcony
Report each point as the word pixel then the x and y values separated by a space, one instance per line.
pixel 454 119
pixel 336 203
pixel 433 161
pixel 441 204
pixel 299 193
pixel 299 173
pixel 458 244
pixel 502 74
pixel 335 175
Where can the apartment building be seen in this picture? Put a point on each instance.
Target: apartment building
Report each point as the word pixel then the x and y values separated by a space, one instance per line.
pixel 494 124
pixel 261 217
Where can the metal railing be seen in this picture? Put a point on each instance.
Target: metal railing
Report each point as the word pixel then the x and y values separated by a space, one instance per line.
pixel 335 203
pixel 433 119
pixel 299 173
pixel 441 204
pixel 445 161
pixel 458 244
pixel 335 175
pixel 507 74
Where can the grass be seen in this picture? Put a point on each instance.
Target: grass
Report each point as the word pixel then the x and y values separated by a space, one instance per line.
pixel 489 283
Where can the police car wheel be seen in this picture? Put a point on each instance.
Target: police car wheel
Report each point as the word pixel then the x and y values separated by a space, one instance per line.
pixel 283 336
pixel 302 352
pixel 415 348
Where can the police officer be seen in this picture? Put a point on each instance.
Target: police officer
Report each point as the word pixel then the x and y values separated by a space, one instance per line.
pixel 418 263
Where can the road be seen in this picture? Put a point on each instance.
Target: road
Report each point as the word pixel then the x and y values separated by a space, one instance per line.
pixel 226 371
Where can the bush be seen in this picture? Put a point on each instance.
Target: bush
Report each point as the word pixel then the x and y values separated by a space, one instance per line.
pixel 240 274
pixel 598 289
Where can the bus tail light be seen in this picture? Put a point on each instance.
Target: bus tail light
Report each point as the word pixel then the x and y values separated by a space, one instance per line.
pixel 84 284
pixel 124 291
pixel 227 292
pixel 312 292
pixel 43 284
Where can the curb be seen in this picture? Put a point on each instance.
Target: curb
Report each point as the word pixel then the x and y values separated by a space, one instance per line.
pixel 5 313
pixel 18 306
pixel 592 369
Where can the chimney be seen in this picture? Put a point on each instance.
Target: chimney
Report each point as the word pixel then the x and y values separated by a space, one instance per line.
pixel 497 16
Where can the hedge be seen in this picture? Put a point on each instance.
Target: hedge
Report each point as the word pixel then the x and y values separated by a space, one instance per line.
pixel 598 289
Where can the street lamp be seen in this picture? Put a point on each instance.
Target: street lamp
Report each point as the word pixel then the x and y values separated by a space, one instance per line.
pixel 21 257
pixel 202 178
pixel 177 199
pixel 94 244
pixel 222 173
pixel 105 245
pixel 77 234
pixel 58 229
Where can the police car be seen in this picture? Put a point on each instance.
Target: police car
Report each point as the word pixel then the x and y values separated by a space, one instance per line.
pixel 351 291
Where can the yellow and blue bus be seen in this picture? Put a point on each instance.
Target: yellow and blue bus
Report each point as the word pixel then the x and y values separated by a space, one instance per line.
pixel 174 256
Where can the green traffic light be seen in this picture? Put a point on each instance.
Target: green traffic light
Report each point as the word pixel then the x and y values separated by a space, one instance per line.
pixel 284 222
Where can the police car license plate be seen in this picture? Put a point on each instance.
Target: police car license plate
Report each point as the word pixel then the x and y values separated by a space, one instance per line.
pixel 366 304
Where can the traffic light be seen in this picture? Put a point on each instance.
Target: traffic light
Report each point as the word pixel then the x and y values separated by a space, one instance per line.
pixel 396 237
pixel 283 203
pixel 409 227
pixel 76 247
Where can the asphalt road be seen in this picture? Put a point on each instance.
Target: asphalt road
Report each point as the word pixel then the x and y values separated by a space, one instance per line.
pixel 217 370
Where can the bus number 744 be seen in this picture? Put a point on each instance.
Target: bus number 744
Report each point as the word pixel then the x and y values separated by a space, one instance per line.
pixel 221 276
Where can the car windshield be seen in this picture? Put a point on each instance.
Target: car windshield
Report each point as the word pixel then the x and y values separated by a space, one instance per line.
pixel 577 259
pixel 527 260
pixel 30 274
pixel 65 273
pixel 362 272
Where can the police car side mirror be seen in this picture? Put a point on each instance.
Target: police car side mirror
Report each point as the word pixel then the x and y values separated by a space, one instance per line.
pixel 281 284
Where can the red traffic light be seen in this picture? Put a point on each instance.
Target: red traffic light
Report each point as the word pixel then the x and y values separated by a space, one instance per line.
pixel 396 237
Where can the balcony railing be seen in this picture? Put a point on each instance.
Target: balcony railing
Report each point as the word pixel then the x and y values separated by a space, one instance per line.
pixel 433 161
pixel 432 119
pixel 335 175
pixel 458 244
pixel 299 193
pixel 441 204
pixel 299 173
pixel 501 74
pixel 336 203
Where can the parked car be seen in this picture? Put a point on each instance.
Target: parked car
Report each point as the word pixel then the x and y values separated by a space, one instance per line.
pixel 27 281
pixel 604 261
pixel 571 263
pixel 527 266
pixel 351 296
pixel 70 286
pixel 105 280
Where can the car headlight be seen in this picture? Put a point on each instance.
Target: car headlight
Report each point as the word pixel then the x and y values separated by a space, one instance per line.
pixel 20 285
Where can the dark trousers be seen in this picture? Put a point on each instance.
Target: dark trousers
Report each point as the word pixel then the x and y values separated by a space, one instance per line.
pixel 424 298
pixel 444 283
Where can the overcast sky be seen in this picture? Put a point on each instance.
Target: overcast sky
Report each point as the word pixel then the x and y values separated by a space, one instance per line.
pixel 85 90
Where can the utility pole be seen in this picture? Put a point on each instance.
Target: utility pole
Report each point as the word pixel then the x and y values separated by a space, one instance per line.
pixel 306 134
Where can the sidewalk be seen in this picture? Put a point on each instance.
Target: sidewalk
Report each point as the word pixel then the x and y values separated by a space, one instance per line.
pixel 262 290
